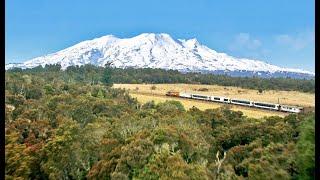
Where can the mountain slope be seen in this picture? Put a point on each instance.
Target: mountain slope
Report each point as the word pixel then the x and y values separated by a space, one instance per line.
pixel 158 51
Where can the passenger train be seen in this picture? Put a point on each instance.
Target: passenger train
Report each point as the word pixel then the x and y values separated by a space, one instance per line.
pixel 242 102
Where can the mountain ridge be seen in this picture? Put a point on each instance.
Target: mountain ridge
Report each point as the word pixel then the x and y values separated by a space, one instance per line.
pixel 158 51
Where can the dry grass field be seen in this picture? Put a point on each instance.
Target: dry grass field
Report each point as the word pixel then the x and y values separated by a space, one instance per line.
pixel 145 92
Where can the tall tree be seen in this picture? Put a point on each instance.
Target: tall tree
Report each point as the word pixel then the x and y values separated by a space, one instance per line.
pixel 107 74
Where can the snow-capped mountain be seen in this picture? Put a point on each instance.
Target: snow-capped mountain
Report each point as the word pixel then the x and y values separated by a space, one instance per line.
pixel 158 51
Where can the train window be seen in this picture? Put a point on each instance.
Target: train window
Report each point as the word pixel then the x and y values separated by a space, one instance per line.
pixel 240 101
pixel 198 96
pixel 225 99
pixel 266 105
pixel 215 98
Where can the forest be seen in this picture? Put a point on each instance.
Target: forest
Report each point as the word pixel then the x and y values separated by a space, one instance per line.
pixel 73 125
pixel 91 73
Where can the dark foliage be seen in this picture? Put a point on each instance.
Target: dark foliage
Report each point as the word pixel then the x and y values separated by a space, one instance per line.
pixel 92 74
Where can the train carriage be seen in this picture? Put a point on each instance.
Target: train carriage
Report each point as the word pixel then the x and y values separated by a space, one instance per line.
pixel 265 105
pixel 292 109
pixel 201 97
pixel 220 99
pixel 185 95
pixel 226 100
pixel 241 102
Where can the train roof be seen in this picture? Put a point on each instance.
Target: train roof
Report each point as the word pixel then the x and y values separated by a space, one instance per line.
pixel 200 94
pixel 240 99
pixel 219 96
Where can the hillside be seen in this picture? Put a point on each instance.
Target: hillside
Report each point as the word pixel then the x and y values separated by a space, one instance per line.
pixel 149 50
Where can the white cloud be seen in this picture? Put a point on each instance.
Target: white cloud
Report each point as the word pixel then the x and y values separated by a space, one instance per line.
pixel 244 45
pixel 298 41
pixel 254 44
pixel 244 41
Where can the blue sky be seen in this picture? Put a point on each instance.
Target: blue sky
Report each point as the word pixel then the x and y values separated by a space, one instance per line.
pixel 280 32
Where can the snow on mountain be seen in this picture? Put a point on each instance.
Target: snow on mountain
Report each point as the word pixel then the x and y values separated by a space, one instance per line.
pixel 155 51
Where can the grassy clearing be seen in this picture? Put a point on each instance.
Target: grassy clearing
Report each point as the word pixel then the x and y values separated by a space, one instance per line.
pixel 250 112
pixel 145 92
pixel 285 97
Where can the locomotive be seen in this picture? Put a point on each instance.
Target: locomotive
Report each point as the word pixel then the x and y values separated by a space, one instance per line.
pixel 242 102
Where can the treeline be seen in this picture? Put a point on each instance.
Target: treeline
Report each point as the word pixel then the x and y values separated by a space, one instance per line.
pixel 63 125
pixel 90 73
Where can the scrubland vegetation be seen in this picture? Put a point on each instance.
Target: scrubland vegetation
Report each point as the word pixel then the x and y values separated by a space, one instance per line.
pixel 73 125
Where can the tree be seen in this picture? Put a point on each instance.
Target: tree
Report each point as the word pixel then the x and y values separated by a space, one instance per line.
pixel 73 151
pixel 100 94
pixel 18 161
pixel 48 89
pixel 170 165
pixel 170 106
pixel 83 114
pixel 306 149
pixel 33 93
pixel 107 75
